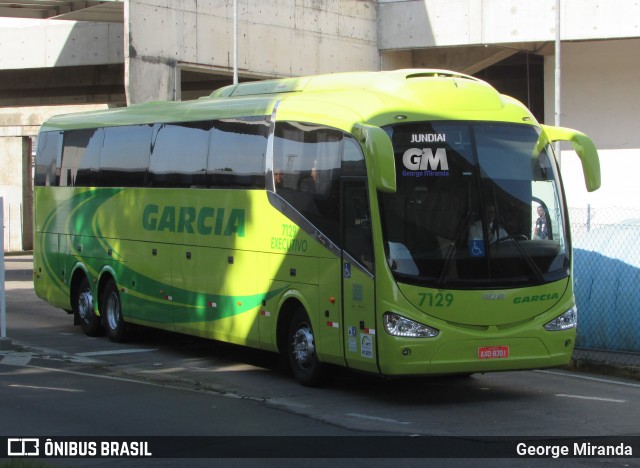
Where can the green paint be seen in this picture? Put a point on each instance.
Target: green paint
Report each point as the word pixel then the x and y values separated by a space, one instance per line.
pixel 535 298
pixel 188 219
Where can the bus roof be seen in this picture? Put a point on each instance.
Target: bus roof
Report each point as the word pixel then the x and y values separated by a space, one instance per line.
pixel 340 99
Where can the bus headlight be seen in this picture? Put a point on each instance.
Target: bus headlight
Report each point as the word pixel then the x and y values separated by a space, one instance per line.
pixel 565 321
pixel 397 325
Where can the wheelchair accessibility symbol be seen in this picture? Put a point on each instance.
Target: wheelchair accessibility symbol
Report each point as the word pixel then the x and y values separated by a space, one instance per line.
pixel 476 248
pixel 347 270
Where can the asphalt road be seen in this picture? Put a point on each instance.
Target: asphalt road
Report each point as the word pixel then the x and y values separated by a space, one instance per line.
pixel 55 381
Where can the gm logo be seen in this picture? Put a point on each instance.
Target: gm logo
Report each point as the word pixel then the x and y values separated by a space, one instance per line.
pixel 416 159
pixel 23 447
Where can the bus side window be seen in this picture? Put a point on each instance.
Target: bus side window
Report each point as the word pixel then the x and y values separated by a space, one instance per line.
pixel 179 155
pixel 81 157
pixel 237 153
pixel 353 159
pixel 46 158
pixel 125 156
pixel 309 161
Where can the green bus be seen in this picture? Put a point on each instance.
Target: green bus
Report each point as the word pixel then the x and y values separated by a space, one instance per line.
pixel 399 223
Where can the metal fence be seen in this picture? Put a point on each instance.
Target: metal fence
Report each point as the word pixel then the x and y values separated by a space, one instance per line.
pixel 606 243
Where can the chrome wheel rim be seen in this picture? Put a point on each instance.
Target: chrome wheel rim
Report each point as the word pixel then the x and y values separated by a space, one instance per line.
pixel 112 310
pixel 85 304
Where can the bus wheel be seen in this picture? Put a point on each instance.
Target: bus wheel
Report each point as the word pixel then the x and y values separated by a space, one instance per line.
pixel 83 309
pixel 111 310
pixel 302 351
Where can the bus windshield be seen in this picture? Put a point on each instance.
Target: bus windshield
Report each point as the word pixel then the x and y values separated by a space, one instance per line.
pixel 478 204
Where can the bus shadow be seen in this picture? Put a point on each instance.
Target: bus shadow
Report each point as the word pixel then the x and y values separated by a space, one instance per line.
pixel 214 357
pixel 429 391
pixel 192 347
pixel 22 274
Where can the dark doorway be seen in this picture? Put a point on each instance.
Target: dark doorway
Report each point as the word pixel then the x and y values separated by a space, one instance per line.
pixel 520 76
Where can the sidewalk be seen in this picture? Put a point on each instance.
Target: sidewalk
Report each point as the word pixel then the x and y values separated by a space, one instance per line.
pixel 607 362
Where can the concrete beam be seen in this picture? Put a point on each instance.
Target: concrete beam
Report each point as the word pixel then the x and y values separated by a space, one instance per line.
pixel 43 43
pixel 494 56
pixel 26 121
pixel 468 60
pixel 412 24
pixel 62 85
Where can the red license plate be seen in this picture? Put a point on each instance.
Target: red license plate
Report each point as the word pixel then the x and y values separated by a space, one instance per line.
pixel 493 352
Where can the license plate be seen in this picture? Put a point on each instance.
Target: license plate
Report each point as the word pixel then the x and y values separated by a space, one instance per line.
pixel 493 352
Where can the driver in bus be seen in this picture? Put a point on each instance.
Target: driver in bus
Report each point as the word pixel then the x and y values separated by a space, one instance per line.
pixel 496 228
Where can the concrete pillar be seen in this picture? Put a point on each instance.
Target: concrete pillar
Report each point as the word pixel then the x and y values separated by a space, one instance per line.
pixel 11 183
pixel 149 75
pixel 27 194
pixel 151 81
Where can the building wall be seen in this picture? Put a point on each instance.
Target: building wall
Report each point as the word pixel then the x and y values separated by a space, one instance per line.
pixel 276 38
pixel 599 96
pixel 297 37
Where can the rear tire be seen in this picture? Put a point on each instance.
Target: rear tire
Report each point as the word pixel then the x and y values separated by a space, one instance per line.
pixel 306 367
pixel 83 310
pixel 111 311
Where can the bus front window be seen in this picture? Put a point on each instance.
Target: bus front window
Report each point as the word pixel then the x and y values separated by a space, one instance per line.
pixel 466 207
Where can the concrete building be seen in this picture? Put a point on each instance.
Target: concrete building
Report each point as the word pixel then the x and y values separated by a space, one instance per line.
pixel 62 56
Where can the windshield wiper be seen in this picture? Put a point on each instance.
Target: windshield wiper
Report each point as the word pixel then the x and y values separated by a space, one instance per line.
pixel 451 249
pixel 536 270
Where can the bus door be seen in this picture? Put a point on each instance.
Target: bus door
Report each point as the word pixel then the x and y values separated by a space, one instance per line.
pixel 358 292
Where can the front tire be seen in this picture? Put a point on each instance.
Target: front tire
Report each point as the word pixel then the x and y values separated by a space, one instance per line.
pixel 111 311
pixel 306 367
pixel 90 323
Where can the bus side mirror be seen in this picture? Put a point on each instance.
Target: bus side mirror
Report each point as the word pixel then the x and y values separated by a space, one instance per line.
pixel 379 153
pixel 585 149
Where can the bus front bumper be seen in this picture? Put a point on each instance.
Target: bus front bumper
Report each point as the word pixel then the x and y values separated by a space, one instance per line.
pixel 480 355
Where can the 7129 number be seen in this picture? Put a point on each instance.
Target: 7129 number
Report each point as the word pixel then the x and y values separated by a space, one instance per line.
pixel 436 300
